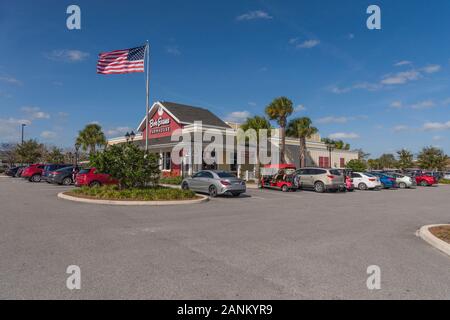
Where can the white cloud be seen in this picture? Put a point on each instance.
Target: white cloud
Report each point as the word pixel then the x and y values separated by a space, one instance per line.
pixel 358 86
pixel 10 129
pixel 252 104
pixel 397 105
pixel 254 15
pixel 118 131
pixel 402 63
pixel 437 138
pixel 300 108
pixel 446 102
pixel 400 127
pixel 332 119
pixel 48 135
pixel 238 116
pixel 343 135
pixel 401 77
pixel 67 55
pixel 432 68
pixel 308 44
pixel 35 113
pixel 63 114
pixel 423 105
pixel 11 80
pixel 173 50
pixel 430 126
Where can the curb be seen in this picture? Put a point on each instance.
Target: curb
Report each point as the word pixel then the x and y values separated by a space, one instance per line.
pixel 439 244
pixel 64 196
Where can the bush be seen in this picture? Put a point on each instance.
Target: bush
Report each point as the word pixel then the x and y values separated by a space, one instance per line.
pixel 357 165
pixel 171 180
pixel 136 194
pixel 444 181
pixel 127 163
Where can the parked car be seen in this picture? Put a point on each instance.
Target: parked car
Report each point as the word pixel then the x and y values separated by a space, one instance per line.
pixel 92 178
pixel 215 183
pixel 62 176
pixel 19 172
pixel 447 175
pixel 321 180
pixel 425 180
pixel 366 181
pixel 13 171
pixel 50 168
pixel 436 174
pixel 403 181
pixel 33 172
pixel 386 180
pixel 282 177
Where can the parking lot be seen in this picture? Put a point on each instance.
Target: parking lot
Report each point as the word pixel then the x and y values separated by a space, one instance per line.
pixel 265 245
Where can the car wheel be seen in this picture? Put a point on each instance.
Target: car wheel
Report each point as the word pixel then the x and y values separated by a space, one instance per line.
pixel 402 185
pixel 67 181
pixel 362 186
pixel 36 178
pixel 236 194
pixel 185 186
pixel 424 183
pixel 212 191
pixel 284 188
pixel 319 187
pixel 94 184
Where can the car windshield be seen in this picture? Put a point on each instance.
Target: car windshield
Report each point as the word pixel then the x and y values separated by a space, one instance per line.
pixel 49 167
pixel 65 169
pixel 224 174
pixel 335 172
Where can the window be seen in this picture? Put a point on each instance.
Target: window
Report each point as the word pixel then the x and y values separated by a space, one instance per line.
pixel 166 164
pixel 356 175
pixel 342 162
pixel 324 162
pixel 208 175
pixel 317 171
pixel 224 174
pixel 335 172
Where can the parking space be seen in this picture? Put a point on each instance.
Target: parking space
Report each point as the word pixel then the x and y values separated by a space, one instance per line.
pixel 266 244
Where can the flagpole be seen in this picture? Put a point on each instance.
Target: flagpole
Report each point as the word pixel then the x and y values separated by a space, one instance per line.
pixel 147 50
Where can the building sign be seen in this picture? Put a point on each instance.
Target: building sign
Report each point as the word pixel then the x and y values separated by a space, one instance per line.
pixel 161 124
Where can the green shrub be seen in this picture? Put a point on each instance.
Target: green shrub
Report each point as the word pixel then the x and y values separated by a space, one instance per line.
pixel 171 180
pixel 136 194
pixel 444 181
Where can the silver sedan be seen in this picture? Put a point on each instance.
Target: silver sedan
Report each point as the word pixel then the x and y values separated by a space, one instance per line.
pixel 214 183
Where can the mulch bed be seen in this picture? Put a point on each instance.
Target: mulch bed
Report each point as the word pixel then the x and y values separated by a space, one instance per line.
pixel 442 232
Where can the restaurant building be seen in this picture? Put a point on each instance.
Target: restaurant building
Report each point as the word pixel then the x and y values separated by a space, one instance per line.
pixel 167 117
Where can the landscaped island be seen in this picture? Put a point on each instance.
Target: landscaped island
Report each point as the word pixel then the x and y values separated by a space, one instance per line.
pixel 134 194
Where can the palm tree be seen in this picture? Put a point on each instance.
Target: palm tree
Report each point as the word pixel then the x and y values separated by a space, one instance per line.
pixel 280 109
pixel 256 123
pixel 91 137
pixel 301 128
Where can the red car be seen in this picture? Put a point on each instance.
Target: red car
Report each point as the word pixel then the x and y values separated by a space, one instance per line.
pixel 33 172
pixel 90 177
pixel 425 180
pixel 281 176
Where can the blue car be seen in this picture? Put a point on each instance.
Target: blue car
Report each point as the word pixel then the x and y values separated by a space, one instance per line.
pixel 386 180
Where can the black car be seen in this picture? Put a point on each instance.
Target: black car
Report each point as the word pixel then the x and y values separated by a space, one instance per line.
pixel 61 176
pixel 52 167
pixel 12 172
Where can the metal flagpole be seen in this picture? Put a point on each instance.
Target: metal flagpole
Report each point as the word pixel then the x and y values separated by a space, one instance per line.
pixel 147 50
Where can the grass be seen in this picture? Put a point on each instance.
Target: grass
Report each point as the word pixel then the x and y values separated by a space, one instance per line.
pixel 135 194
pixel 444 181
pixel 171 180
pixel 442 232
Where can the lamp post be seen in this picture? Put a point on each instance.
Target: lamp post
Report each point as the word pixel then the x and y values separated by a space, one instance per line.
pixel 132 136
pixel 77 147
pixel 127 136
pixel 330 149
pixel 23 126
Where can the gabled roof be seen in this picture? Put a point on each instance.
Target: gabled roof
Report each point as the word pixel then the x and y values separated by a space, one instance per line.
pixel 187 114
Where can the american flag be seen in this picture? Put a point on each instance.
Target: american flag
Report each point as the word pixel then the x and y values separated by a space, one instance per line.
pixel 121 61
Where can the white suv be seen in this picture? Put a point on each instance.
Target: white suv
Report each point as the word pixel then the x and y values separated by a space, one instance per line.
pixel 366 181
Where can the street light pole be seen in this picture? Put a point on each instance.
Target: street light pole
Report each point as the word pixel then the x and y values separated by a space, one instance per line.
pixel 330 149
pixel 23 126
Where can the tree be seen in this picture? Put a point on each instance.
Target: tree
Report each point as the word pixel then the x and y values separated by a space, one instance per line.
pixel 357 165
pixel 362 155
pixel 55 155
pixel 405 159
pixel 432 158
pixel 280 109
pixel 387 161
pixel 256 123
pixel 8 153
pixel 30 151
pixel 127 163
pixel 374 164
pixel 337 144
pixel 91 137
pixel 301 128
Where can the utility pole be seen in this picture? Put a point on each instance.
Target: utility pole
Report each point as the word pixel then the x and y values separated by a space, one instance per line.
pixel 23 126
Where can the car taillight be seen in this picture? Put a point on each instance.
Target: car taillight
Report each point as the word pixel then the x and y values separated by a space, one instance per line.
pixel 330 176
pixel 225 183
pixel 391 179
pixel 372 179
pixel 55 172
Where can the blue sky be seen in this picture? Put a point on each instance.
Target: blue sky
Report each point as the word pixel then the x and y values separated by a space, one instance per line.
pixel 380 90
